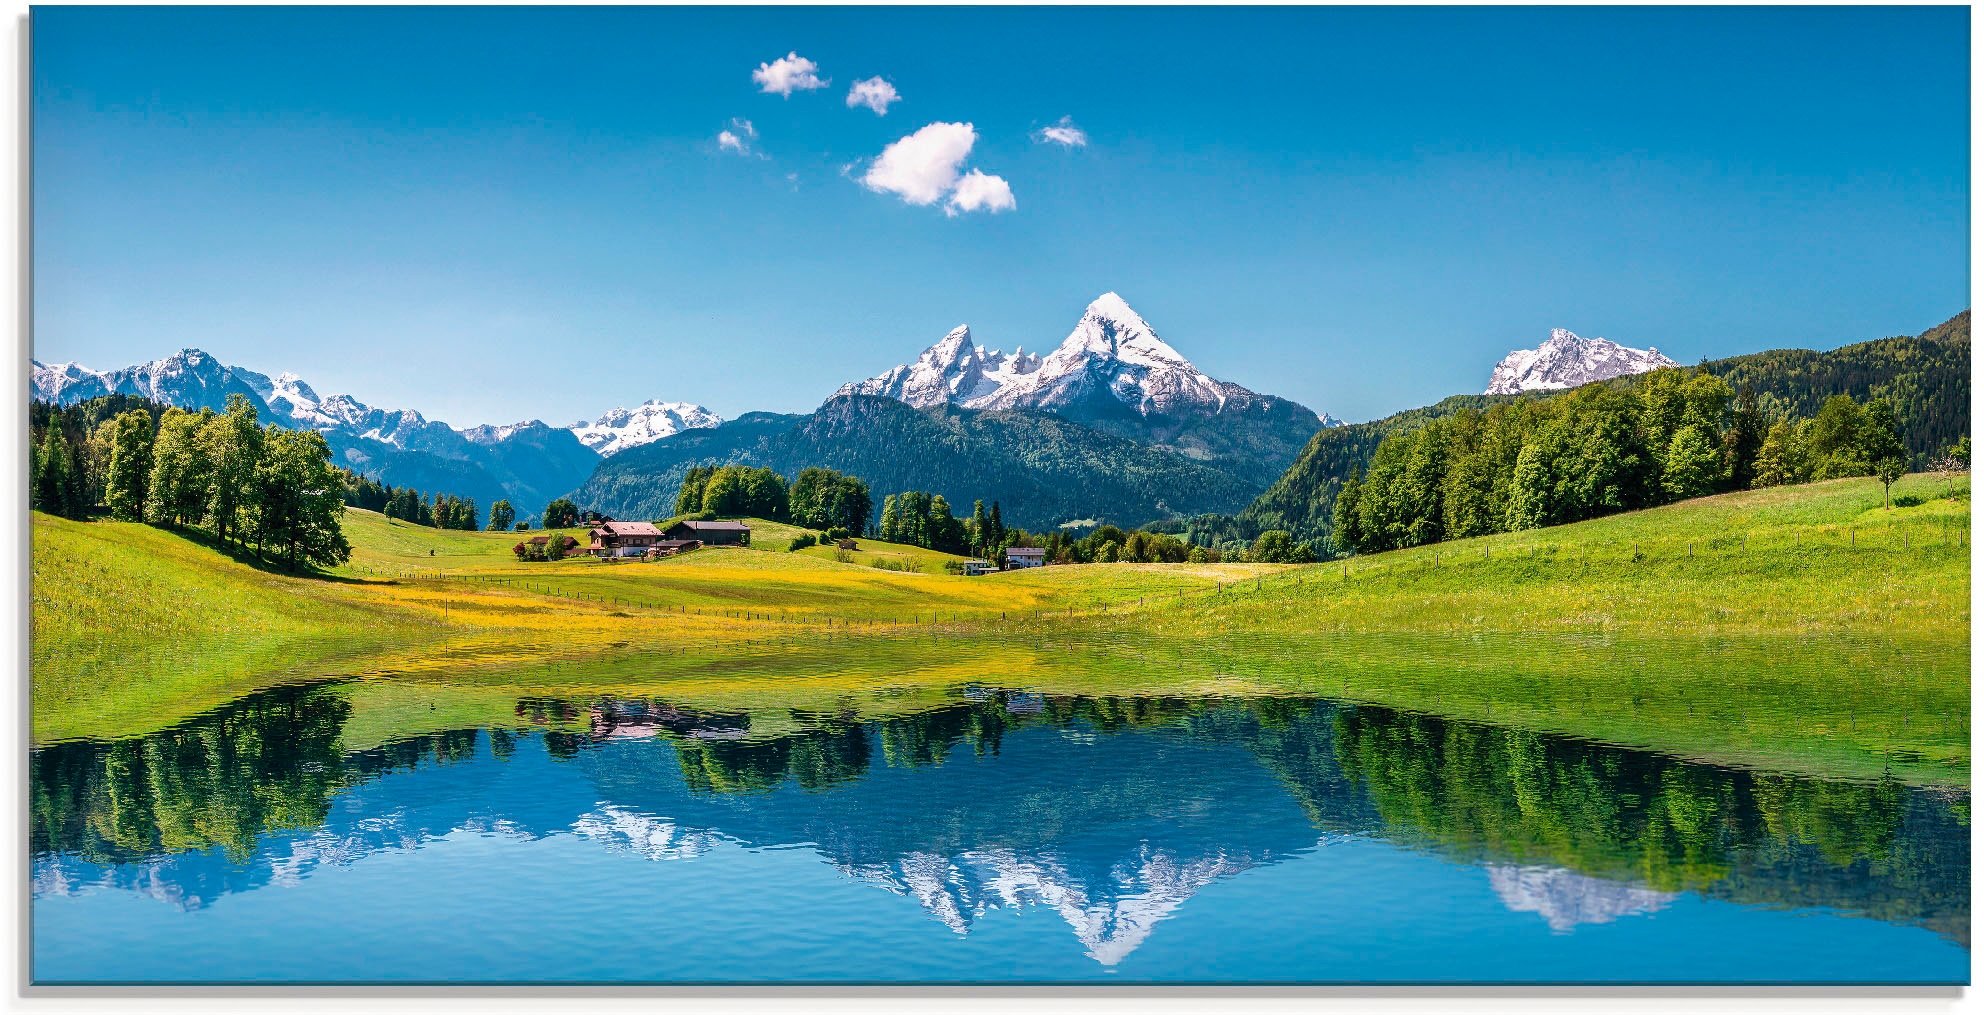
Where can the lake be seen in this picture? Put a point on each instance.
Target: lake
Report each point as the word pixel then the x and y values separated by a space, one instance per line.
pixel 989 833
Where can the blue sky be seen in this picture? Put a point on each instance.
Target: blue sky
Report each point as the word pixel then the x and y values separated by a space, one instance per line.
pixel 503 213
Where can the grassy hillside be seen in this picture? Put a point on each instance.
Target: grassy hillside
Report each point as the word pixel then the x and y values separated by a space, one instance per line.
pixel 134 627
pixel 1796 626
pixel 1926 376
pixel 128 621
pixel 1800 628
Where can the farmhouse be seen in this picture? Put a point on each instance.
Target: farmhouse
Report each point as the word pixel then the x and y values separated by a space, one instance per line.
pixel 623 539
pixel 1025 556
pixel 712 533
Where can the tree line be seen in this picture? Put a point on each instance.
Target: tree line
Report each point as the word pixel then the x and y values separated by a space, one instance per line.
pixel 443 511
pixel 1599 450
pixel 916 518
pixel 733 490
pixel 1108 544
pixel 268 489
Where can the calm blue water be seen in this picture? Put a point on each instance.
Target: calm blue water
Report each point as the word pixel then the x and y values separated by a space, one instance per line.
pixel 1003 837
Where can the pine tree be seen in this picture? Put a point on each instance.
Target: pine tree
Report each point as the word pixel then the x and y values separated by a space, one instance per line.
pixel 1343 521
pixel 55 476
pixel 1744 440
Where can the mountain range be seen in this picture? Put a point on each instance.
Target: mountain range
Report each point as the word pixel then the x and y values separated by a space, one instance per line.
pixel 1112 373
pixel 1114 424
pixel 1567 361
pixel 528 463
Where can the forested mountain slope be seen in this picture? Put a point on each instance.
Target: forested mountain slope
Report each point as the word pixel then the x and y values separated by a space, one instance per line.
pixel 1044 470
pixel 1926 377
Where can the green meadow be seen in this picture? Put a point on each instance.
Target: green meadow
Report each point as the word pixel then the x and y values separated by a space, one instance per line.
pixel 1804 628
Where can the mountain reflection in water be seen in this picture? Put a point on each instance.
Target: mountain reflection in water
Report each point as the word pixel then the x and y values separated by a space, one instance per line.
pixel 1112 813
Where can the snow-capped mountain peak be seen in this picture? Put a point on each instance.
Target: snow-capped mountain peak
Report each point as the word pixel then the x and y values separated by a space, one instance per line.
pixel 1566 361
pixel 621 428
pixel 1111 362
pixel 1109 328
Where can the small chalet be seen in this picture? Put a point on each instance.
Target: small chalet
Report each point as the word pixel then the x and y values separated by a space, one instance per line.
pixel 671 547
pixel 623 539
pixel 712 533
pixel 1025 556
pixel 975 567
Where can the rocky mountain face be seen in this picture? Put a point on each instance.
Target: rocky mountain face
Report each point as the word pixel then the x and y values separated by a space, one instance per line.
pixel 1566 361
pixel 1114 373
pixel 527 463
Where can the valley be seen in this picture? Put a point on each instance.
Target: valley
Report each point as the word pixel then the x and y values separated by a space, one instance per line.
pixel 1669 629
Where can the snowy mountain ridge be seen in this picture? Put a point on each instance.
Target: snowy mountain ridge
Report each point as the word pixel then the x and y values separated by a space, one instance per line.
pixel 620 429
pixel 192 379
pixel 1567 361
pixel 1112 363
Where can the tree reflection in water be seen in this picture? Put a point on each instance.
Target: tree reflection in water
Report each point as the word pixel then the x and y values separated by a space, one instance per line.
pixel 1533 808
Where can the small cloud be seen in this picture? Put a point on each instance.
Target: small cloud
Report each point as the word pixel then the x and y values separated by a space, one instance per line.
pixel 976 190
pixel 1063 132
pixel 787 74
pixel 925 167
pixel 739 138
pixel 922 167
pixel 874 93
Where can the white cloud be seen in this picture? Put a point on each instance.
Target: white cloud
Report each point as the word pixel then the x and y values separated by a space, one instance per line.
pixel 874 93
pixel 1064 133
pixel 922 167
pixel 787 74
pixel 737 139
pixel 976 190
